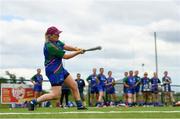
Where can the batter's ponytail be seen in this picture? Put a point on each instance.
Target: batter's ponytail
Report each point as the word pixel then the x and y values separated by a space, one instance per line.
pixel 47 37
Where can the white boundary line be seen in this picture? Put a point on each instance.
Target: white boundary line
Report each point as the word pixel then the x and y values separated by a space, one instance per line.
pixel 86 112
pixel 91 118
pixel 178 111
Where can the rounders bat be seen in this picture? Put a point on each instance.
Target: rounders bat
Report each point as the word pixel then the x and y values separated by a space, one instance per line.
pixel 93 49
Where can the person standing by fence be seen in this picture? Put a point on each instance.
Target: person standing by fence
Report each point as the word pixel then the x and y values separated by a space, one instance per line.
pixel 110 89
pixel 146 89
pixel 137 100
pixel 37 80
pixel 155 82
pixel 65 94
pixel 130 83
pixel 167 89
pixel 102 80
pixel 81 85
pixel 124 88
pixel 93 89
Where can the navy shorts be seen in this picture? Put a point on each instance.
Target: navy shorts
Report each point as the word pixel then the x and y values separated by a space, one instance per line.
pixel 101 88
pixel 154 89
pixel 94 90
pixel 56 79
pixel 130 90
pixel 110 90
pixel 37 88
pixel 137 89
pixel 124 90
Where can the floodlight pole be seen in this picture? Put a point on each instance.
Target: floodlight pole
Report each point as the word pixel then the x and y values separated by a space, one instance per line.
pixel 156 56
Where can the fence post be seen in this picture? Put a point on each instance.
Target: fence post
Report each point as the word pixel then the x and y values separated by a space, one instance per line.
pixel 89 95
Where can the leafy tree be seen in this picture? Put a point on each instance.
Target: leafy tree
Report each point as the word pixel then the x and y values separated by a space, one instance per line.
pixel 11 76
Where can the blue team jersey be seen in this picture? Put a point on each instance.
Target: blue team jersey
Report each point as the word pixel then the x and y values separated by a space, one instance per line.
pixel 92 80
pixel 93 85
pixel 102 79
pixel 145 81
pixel 81 84
pixel 110 80
pixel 37 79
pixel 131 81
pixel 110 88
pixel 138 81
pixel 154 82
pixel 38 82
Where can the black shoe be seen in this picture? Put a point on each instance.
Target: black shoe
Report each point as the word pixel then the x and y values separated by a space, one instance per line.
pixel 81 108
pixel 31 106
pixel 173 104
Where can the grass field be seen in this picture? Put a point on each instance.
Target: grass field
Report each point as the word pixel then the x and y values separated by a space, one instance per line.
pixel 95 113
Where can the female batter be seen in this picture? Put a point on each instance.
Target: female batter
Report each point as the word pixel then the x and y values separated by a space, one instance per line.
pixel 54 53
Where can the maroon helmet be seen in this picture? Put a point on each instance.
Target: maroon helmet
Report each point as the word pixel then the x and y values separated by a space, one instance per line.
pixel 53 30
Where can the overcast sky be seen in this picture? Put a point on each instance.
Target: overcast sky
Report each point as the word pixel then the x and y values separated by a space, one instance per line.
pixel 124 28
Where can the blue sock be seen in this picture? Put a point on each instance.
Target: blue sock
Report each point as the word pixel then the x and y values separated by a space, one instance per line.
pixel 98 104
pixel 157 103
pixel 116 102
pixel 150 103
pixel 79 103
pixel 34 101
pixel 129 104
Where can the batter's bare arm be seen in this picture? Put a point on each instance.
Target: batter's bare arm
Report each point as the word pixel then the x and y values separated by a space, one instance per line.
pixel 71 55
pixel 71 48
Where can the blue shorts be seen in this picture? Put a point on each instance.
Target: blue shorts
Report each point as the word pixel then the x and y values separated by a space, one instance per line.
pixel 154 89
pixel 37 88
pixel 110 90
pixel 124 90
pixel 137 89
pixel 94 90
pixel 130 90
pixel 56 79
pixel 101 88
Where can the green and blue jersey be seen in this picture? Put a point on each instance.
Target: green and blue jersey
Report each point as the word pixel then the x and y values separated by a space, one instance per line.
pixel 53 52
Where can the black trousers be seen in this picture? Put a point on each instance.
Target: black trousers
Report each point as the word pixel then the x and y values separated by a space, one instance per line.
pixel 65 93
